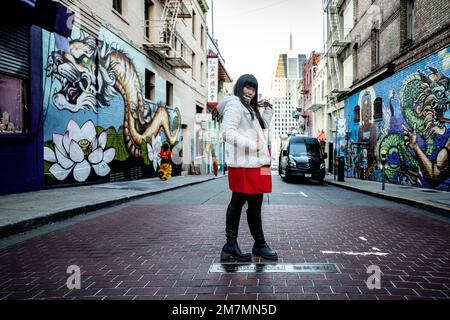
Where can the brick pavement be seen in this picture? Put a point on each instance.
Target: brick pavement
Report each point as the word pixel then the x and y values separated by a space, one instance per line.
pixel 165 252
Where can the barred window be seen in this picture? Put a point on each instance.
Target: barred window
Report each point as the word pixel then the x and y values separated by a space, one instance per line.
pixel 357 114
pixel 378 109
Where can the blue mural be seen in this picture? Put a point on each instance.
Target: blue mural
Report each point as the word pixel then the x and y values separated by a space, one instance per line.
pixel 408 115
pixel 96 119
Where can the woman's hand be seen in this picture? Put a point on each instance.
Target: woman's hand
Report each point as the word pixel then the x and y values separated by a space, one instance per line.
pixel 265 104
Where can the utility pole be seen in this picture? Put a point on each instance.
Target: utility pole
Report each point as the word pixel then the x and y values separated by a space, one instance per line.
pixel 212 19
pixel 335 147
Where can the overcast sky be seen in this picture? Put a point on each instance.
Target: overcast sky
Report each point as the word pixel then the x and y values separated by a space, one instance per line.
pixel 252 33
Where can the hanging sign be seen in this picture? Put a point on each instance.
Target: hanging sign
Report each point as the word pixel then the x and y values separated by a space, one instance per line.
pixel 213 80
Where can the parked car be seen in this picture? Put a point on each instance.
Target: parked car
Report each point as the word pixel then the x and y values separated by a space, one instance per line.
pixel 302 157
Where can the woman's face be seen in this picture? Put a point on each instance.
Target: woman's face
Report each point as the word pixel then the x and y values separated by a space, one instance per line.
pixel 249 93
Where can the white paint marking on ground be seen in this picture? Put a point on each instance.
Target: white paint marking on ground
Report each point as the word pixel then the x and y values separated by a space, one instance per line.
pixel 363 239
pixel 376 249
pixel 290 193
pixel 350 253
pixel 303 194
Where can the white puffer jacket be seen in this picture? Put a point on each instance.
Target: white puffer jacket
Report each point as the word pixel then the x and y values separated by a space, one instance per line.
pixel 242 134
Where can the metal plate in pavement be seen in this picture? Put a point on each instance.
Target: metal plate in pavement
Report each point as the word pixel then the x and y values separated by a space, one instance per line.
pixel 275 268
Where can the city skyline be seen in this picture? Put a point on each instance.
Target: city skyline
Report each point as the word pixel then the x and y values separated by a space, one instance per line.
pixel 301 18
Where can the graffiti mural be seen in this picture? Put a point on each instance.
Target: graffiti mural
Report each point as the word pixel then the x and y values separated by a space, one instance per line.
pixel 414 128
pixel 96 114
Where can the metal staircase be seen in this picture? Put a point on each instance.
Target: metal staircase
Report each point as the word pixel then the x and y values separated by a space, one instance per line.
pixel 163 38
pixel 336 44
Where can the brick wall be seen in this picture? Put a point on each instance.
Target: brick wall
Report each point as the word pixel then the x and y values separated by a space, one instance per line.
pixel 431 33
pixel 431 16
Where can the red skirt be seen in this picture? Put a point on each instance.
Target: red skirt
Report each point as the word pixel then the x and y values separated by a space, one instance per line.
pixel 250 180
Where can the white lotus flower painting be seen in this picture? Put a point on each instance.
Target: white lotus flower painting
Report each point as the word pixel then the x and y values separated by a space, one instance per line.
pixel 153 151
pixel 79 151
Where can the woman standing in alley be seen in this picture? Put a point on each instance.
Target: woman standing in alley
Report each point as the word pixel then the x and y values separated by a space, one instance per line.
pixel 248 160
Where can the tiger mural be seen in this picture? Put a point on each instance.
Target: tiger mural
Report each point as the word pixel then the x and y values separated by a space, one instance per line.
pixel 92 74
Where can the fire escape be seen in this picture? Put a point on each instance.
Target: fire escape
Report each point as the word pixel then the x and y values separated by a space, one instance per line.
pixel 336 44
pixel 162 37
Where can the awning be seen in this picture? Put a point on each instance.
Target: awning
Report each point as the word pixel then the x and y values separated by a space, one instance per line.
pixel 383 72
pixel 223 74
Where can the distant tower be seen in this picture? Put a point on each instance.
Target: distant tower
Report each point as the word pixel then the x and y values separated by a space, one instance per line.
pixel 291 46
pixel 285 93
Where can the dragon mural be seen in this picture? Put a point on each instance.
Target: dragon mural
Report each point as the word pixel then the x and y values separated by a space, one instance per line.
pixel 420 153
pixel 92 74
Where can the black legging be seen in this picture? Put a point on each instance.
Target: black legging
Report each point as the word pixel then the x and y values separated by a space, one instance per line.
pixel 255 202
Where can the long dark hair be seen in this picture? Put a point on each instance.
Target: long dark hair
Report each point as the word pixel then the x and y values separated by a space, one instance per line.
pixel 249 80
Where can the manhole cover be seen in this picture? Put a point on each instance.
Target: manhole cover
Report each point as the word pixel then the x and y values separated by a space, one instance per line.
pixel 275 268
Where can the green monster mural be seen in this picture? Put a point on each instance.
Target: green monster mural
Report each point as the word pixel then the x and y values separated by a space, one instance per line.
pixel 422 154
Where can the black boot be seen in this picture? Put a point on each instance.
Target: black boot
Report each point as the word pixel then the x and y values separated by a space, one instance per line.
pixel 231 251
pixel 260 248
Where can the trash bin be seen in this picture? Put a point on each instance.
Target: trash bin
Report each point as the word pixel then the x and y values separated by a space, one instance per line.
pixel 341 168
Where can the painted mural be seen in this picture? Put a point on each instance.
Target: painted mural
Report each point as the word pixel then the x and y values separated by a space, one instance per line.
pixel 97 121
pixel 414 127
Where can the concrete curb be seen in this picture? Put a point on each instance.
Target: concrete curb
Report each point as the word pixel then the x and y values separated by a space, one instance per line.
pixel 27 225
pixel 431 207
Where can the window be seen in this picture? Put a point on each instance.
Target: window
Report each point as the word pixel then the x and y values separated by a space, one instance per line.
pixel 375 48
pixel 148 16
pixel 348 19
pixel 357 115
pixel 182 49
pixel 202 71
pixel 407 20
pixel 199 109
pixel 202 36
pixel 117 5
pixel 150 85
pixel 13 105
pixel 410 20
pixel 194 62
pixel 14 79
pixel 193 23
pixel 378 109
pixel 355 60
pixel 348 72
pixel 169 94
pixel 323 90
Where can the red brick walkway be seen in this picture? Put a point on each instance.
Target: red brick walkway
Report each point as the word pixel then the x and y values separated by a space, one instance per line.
pixel 165 252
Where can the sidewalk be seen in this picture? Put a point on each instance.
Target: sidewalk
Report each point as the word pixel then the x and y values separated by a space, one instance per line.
pixel 25 211
pixel 435 201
